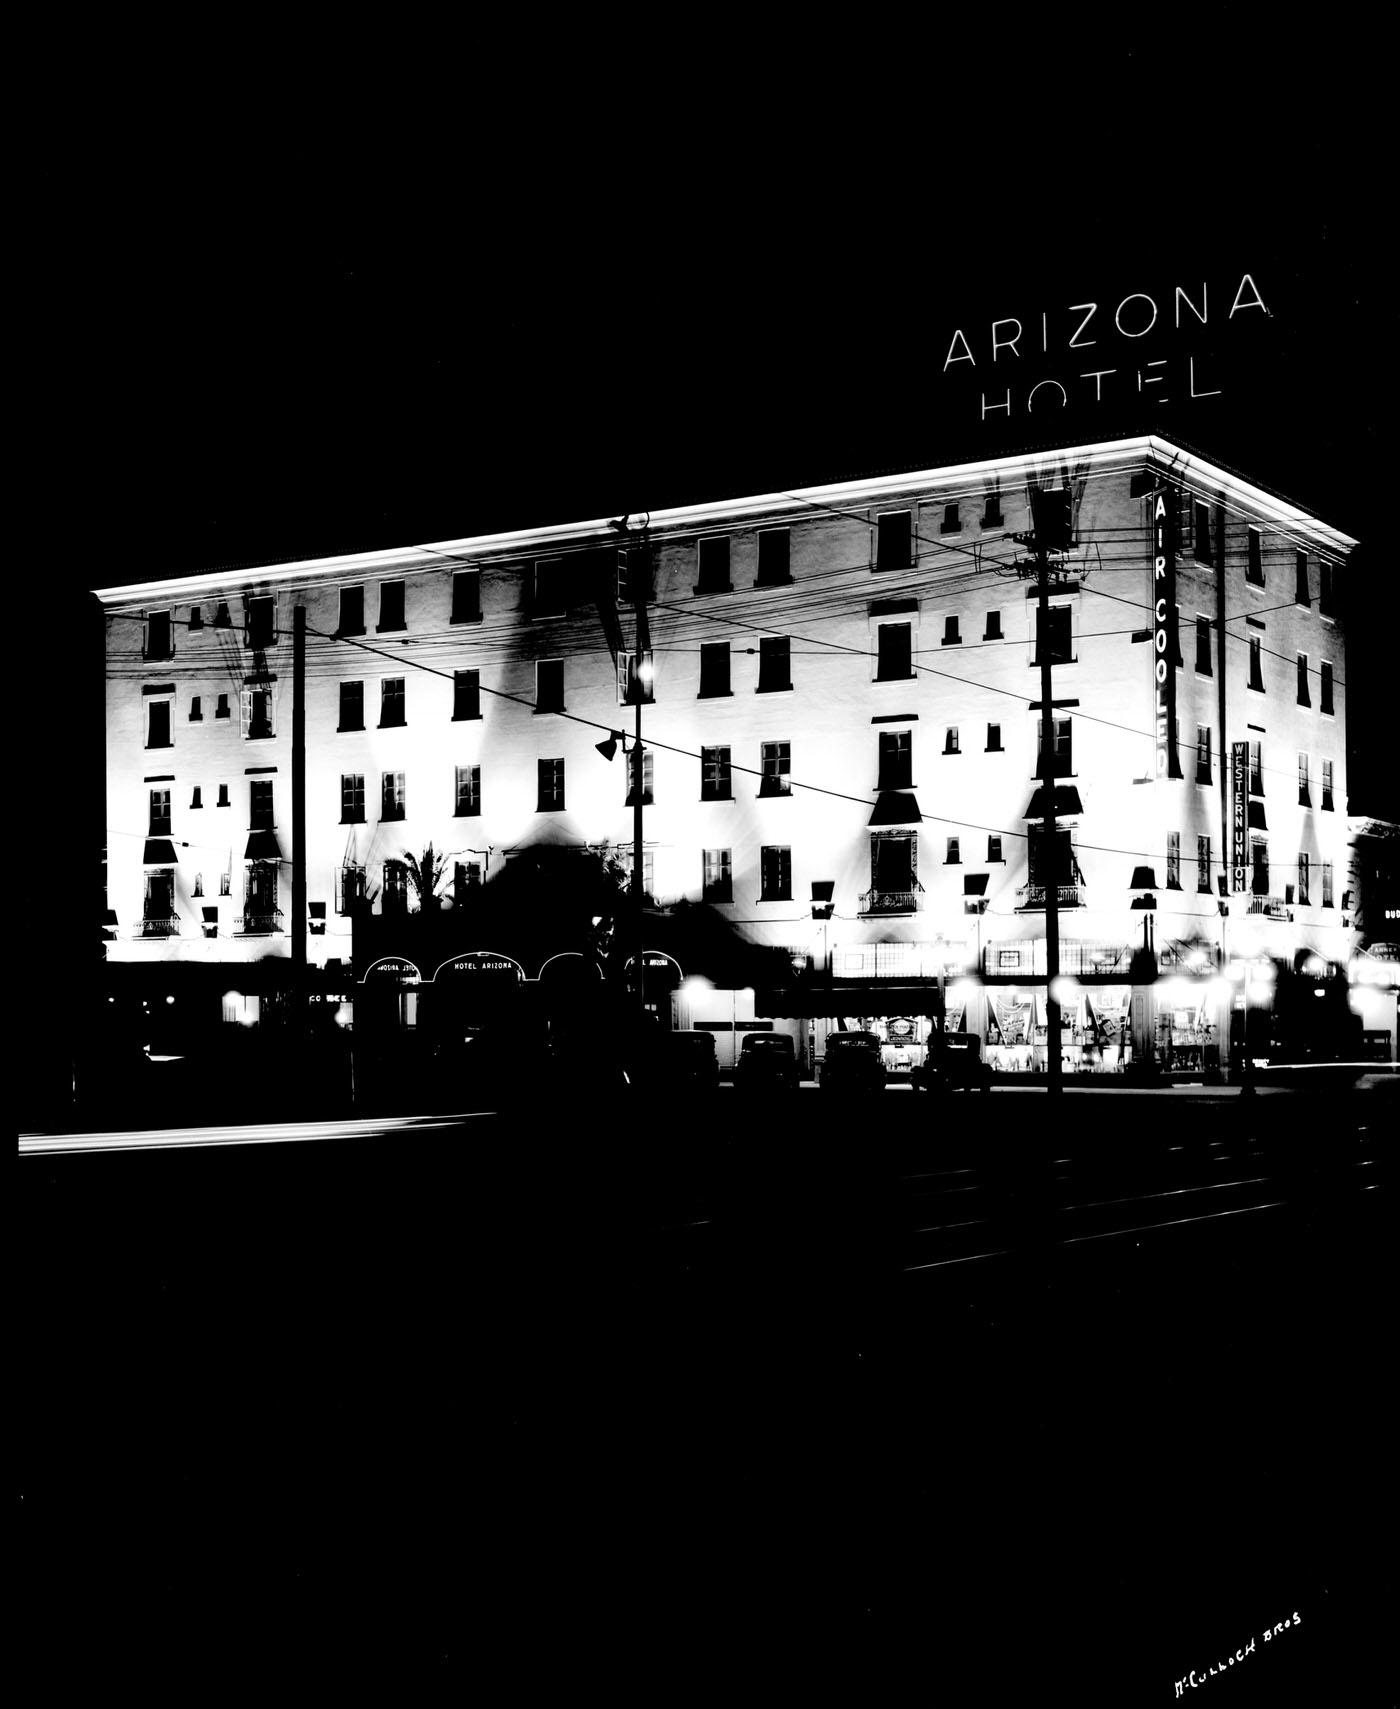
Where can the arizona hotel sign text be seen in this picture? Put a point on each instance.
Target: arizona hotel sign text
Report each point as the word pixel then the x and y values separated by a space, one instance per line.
pixel 1108 331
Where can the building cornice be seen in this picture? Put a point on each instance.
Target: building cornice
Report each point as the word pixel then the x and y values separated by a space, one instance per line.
pixel 948 482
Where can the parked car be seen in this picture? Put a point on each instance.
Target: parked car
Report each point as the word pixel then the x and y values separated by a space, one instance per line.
pixel 853 1063
pixel 953 1060
pixel 767 1062
pixel 681 1060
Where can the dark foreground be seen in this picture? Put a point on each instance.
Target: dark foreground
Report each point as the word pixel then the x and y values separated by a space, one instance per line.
pixel 832 1405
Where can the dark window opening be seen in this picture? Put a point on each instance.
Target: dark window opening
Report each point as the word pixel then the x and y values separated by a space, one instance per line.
pixel 993 630
pixel 1325 696
pixel 893 541
pixel 262 623
pixel 896 760
pixel 158 727
pixel 466 694
pixel 1254 567
pixel 1203 658
pixel 391 703
pixel 775 874
pixel 466 596
pixel 712 566
pixel 352 706
pixel 352 611
pixel 774 549
pixel 1054 633
pixel 775 778
pixel 895 655
pixel 551 785
pixel 352 798
pixel 994 738
pixel 468 791
pixel 715 774
pixel 717 884
pixel 1301 596
pixel 549 685
pixel 774 664
pixel 159 644
pixel 391 606
pixel 952 522
pixel 714 668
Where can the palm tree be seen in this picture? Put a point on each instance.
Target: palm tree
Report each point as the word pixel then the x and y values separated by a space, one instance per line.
pixel 427 874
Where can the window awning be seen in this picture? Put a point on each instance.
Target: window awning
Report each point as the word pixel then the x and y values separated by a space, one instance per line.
pixel 1067 803
pixel 160 851
pixel 896 807
pixel 975 883
pixel 262 845
pixel 1257 821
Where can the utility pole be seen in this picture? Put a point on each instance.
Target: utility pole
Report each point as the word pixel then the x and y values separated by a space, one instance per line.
pixel 299 994
pixel 1048 531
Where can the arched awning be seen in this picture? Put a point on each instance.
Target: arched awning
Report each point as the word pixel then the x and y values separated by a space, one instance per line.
pixel 895 807
pixel 1067 803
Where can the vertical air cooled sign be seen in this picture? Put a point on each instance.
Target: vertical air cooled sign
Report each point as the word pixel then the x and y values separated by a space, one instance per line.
pixel 1164 632
pixel 1239 835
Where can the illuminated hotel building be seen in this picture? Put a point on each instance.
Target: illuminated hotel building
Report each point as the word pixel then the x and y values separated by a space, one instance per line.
pixel 846 693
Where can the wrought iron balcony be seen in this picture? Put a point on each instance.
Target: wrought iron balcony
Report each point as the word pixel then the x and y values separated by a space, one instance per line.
pixel 254 924
pixel 1066 895
pixel 891 901
pixel 1271 907
pixel 160 926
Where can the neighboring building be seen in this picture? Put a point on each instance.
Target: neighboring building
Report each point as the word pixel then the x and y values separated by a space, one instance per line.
pixel 845 693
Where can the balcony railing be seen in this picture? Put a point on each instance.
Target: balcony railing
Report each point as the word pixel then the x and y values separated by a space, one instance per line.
pixel 1066 895
pixel 891 901
pixel 1271 907
pixel 160 926
pixel 264 920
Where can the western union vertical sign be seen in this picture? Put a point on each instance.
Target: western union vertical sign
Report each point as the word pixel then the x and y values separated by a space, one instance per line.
pixel 1164 641
pixel 1239 833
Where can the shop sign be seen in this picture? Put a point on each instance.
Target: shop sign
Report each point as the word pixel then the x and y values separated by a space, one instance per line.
pixel 391 968
pixel 1009 960
pixel 1164 629
pixel 1239 817
pixel 482 964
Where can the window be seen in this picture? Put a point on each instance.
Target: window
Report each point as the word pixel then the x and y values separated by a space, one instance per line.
pixel 1057 866
pixel 777 769
pixel 896 760
pixel 994 854
pixel 260 804
pixel 774 663
pixel 352 798
pixel 951 636
pixel 1201 525
pixel 993 630
pixel 1304 698
pixel 196 617
pixel 954 854
pixel 196 710
pixel 158 914
pixel 221 707
pixel 636 679
pixel 393 800
pixel 549 685
pixel 468 791
pixel 628 865
pixel 1327 884
pixel 1203 866
pixel 1173 860
pixel 773 557
pixel 1304 799
pixel 892 541
pixel 1259 860
pixel 1324 587
pixel 390 606
pixel 351 889
pixel 1254 568
pixel 952 522
pixel 1203 753
pixel 196 797
pixel 1324 698
pixel 466 596
pixel 951 741
pixel 352 611
pixel 775 874
pixel 160 813
pixel 1300 580
pixel 1061 748
pixel 991 513
pixel 225 884
pixel 466 875
pixel 551 785
pixel 718 881
pixel 714 668
pixel 895 656
pixel 391 703
pixel 158 724
pixel 549 588
pixel 466 694
pixel 260 911
pixel 1256 768
pixel 715 780
pixel 198 884
pixel 1256 664
pixel 647 776
pixel 159 644
pixel 712 566
pixel 1203 664
pixel 261 623
pixel 1054 632
pixel 223 800
pixel 1303 879
pixel 352 706
pixel 994 738
pixel 395 887
pixel 894 858
pixel 1326 786
pixel 222 620
pixel 257 714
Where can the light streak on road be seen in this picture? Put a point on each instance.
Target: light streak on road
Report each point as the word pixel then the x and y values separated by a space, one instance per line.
pixel 270 1133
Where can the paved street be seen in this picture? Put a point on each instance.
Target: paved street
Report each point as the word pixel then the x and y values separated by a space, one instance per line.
pixel 804 1384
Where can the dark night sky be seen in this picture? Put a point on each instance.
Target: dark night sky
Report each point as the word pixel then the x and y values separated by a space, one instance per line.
pixel 281 319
